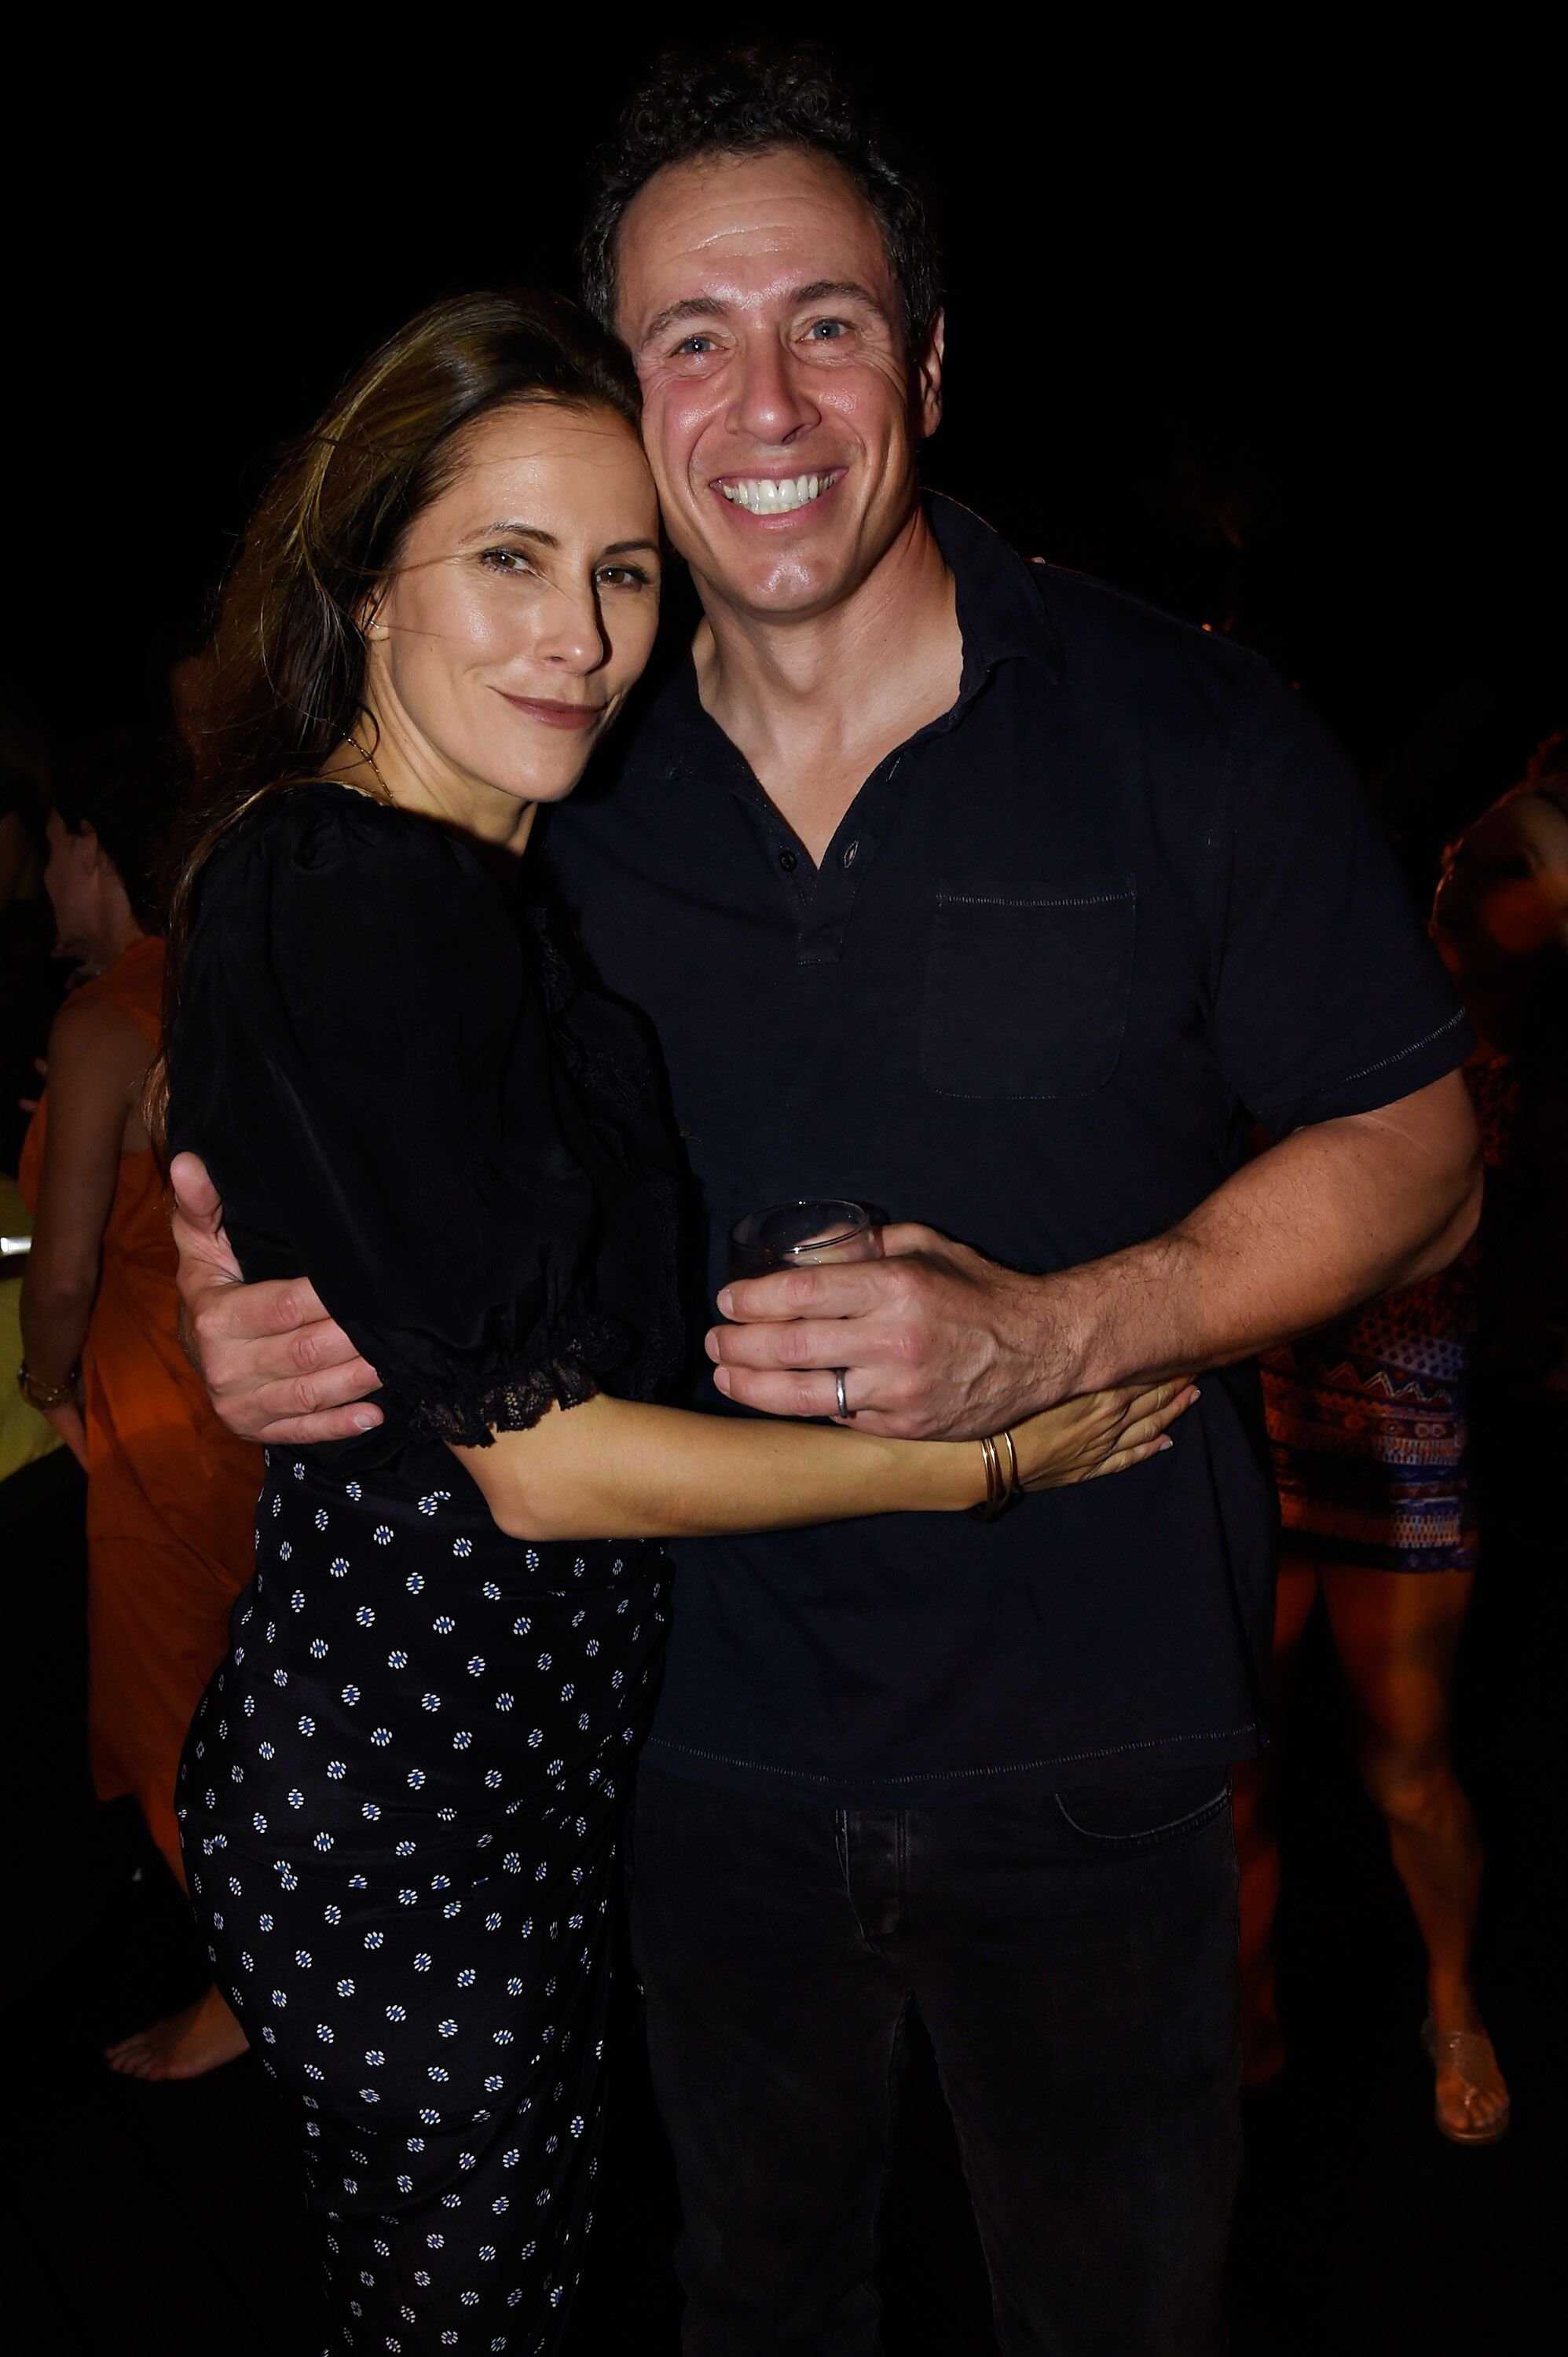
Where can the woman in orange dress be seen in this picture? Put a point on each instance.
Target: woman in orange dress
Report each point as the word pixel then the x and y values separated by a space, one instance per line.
pixel 170 1495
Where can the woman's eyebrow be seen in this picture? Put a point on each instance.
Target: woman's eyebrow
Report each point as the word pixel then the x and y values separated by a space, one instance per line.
pixel 548 539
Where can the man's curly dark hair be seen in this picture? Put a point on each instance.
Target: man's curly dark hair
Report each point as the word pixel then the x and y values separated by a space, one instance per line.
pixel 741 102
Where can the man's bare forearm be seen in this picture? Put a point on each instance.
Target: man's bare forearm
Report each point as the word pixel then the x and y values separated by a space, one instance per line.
pixel 1326 1218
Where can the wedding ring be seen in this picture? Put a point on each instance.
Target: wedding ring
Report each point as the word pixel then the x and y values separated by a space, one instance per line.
pixel 839 1374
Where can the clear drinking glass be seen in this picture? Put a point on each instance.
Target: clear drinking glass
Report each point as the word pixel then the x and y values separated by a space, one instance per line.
pixel 801 1235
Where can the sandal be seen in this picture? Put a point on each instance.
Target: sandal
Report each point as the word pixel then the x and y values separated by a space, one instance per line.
pixel 1469 2053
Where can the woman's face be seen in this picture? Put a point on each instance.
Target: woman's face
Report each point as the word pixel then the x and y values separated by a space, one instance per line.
pixel 522 608
pixel 72 878
pixel 1503 895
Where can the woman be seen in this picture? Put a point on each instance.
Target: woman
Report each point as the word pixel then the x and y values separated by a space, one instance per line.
pixel 170 1495
pixel 31 984
pixel 402 1792
pixel 1369 1424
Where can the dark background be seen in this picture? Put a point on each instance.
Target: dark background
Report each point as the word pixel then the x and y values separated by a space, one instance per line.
pixel 1248 315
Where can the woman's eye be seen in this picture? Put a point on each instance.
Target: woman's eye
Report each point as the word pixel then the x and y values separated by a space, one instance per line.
pixel 624 576
pixel 506 560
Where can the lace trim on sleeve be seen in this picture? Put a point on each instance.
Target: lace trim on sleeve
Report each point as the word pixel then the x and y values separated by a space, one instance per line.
pixel 515 1401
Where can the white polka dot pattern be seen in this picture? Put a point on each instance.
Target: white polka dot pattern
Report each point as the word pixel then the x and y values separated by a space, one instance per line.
pixel 400 1803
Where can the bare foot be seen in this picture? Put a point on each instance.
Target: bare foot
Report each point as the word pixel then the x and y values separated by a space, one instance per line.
pixel 1472 2096
pixel 183 2045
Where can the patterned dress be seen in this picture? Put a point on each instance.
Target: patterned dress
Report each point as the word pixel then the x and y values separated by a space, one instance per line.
pixel 401 1801
pixel 1369 1418
pixel 402 1794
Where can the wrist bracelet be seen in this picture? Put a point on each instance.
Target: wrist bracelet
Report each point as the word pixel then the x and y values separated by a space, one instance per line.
pixel 1001 1483
pixel 46 1395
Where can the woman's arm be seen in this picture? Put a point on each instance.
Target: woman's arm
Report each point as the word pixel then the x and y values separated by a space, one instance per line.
pixel 97 1058
pixel 613 1468
pixel 450 1221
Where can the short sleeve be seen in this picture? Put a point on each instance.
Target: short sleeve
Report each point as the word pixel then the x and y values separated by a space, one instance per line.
pixel 1327 997
pixel 363 1060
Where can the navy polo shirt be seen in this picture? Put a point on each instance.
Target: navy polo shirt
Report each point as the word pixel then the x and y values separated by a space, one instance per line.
pixel 1069 942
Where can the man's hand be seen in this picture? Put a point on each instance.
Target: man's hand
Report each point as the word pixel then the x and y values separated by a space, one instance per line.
pixel 939 1343
pixel 279 1370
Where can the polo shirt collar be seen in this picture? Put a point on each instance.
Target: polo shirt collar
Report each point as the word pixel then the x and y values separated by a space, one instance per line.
pixel 1001 618
pixel 1001 611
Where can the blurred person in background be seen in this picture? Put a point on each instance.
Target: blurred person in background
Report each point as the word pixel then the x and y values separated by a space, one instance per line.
pixel 170 1495
pixel 31 983
pixel 1502 923
pixel 1369 1422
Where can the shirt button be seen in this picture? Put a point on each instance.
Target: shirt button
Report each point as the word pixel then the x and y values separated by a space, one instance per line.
pixel 848 851
pixel 788 862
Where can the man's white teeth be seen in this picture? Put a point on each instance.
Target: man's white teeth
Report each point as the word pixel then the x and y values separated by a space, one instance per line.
pixel 762 496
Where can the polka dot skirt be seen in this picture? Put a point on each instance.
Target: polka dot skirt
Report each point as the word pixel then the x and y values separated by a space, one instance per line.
pixel 400 1803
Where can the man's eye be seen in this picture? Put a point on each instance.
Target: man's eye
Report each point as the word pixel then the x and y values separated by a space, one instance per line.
pixel 696 344
pixel 827 331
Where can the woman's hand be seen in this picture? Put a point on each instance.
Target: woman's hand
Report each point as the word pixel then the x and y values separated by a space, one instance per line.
pixel 67 1421
pixel 1103 1431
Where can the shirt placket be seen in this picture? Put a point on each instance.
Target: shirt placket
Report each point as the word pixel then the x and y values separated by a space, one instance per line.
pixel 823 899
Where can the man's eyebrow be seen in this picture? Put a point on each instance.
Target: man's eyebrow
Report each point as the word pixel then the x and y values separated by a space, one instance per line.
pixel 822 290
pixel 710 306
pixel 690 306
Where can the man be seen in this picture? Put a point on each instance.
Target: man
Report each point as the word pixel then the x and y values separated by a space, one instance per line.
pixel 971 890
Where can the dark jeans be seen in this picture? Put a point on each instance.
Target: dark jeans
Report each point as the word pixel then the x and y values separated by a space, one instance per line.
pixel 1073 1957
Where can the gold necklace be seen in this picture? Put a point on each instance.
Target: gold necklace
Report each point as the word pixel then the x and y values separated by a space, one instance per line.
pixel 370 761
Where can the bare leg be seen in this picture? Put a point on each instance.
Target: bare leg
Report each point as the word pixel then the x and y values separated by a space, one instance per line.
pixel 1256 1847
pixel 1397 1634
pixel 183 2045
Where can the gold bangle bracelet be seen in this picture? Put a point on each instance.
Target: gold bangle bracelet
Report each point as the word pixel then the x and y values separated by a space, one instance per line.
pixel 1003 1483
pixel 987 1458
pixel 1013 1483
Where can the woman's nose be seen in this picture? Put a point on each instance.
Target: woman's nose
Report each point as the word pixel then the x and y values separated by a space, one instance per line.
pixel 573 637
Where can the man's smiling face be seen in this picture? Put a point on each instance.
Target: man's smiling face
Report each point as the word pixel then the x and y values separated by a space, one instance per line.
pixel 782 414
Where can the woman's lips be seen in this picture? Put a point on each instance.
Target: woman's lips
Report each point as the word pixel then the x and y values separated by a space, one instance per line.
pixel 555 716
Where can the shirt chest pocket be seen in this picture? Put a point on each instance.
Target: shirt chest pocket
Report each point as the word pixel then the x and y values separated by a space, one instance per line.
pixel 1027 987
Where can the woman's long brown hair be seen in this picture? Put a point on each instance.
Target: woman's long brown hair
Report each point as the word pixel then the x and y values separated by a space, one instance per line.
pixel 282 682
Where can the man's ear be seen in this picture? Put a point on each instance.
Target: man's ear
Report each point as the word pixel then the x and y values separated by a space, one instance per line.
pixel 928 385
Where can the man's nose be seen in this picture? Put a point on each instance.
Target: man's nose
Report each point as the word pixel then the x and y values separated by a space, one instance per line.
pixel 573 633
pixel 772 402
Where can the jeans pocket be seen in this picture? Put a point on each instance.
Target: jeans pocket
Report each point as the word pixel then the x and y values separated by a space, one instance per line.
pixel 1027 987
pixel 1137 1811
